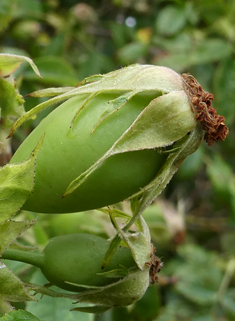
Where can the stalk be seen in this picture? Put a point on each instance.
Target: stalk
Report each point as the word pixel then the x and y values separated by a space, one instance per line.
pixel 33 258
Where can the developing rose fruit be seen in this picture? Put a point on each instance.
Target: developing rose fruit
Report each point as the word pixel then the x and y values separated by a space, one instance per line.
pixel 73 262
pixel 106 142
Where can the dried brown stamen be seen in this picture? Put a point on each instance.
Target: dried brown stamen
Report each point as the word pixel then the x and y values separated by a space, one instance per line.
pixel 155 264
pixel 200 102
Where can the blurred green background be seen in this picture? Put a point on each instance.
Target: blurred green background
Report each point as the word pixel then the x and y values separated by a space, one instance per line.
pixel 193 222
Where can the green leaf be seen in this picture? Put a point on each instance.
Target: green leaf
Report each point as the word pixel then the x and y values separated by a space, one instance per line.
pixel 11 103
pixel 170 20
pixel 19 315
pixel 55 70
pixel 29 8
pixel 9 63
pixel 16 183
pixel 196 293
pixel 6 9
pixel 204 51
pixel 131 52
pixel 9 282
pixel 223 182
pixel 224 87
pixel 228 302
pixel 10 230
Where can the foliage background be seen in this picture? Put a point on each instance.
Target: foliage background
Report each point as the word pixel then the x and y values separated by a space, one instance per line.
pixel 193 222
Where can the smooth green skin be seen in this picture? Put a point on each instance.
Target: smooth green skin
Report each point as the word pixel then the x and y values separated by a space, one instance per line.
pixel 67 152
pixel 77 258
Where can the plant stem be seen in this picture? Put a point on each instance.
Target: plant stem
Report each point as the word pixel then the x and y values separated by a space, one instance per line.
pixel 5 307
pixel 33 258
pixel 226 279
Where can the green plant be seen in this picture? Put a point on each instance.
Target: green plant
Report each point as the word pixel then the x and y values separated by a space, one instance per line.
pixel 135 125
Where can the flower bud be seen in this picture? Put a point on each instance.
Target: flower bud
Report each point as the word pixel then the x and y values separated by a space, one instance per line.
pixel 111 138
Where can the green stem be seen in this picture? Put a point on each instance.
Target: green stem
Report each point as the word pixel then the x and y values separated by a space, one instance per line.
pixel 226 279
pixel 5 307
pixel 33 258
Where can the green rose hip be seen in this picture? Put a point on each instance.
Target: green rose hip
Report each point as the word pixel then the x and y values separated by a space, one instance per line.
pixel 119 135
pixel 74 263
pixel 68 152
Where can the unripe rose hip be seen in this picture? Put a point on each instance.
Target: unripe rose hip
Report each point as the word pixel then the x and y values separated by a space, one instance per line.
pixel 112 137
pixel 73 262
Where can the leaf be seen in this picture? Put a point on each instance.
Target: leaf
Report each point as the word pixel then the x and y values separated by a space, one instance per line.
pixel 11 103
pixel 29 8
pixel 170 20
pixel 6 9
pixel 131 52
pixel 16 183
pixel 196 293
pixel 55 70
pixel 10 230
pixel 199 52
pixel 19 315
pixel 224 87
pixel 9 282
pixel 9 63
pixel 223 182
pixel 228 302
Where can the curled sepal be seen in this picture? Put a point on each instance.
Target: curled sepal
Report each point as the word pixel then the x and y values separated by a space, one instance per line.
pixel 140 248
pixel 139 242
pixel 122 293
pixel 160 124
pixel 189 144
pixel 16 183
pixel 50 92
pixel 92 309
pixel 132 79
pixel 10 63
